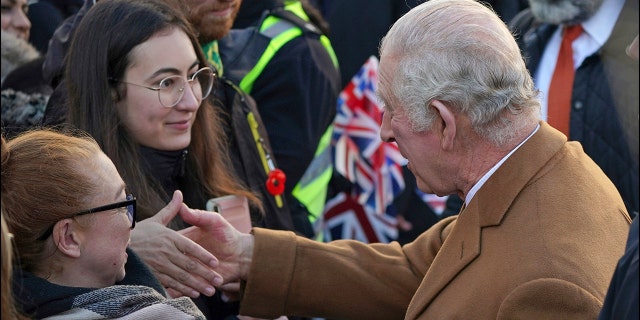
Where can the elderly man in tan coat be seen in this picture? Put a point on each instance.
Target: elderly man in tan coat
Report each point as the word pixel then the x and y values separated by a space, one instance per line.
pixel 542 228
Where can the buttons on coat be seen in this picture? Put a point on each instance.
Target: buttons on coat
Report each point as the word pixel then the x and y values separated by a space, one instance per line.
pixel 578 105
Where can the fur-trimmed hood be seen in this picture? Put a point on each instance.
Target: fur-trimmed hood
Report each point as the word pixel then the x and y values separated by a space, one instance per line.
pixel 15 52
pixel 21 111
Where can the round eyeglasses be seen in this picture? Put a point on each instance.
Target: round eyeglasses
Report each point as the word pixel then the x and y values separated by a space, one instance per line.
pixel 171 89
pixel 129 204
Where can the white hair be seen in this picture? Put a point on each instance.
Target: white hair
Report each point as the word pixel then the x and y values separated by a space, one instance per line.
pixel 460 52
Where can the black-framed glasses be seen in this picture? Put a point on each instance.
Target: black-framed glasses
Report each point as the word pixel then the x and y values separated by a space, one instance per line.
pixel 129 204
pixel 171 89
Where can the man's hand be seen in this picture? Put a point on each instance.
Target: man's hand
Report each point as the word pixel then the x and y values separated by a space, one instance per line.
pixel 181 265
pixel 233 249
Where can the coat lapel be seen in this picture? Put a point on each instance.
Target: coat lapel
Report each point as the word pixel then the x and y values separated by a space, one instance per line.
pixel 462 246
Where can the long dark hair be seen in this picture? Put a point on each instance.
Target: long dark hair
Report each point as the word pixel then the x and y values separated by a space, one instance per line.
pixel 100 51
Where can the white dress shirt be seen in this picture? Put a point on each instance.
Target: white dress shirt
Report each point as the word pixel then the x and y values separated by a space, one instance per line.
pixel 493 169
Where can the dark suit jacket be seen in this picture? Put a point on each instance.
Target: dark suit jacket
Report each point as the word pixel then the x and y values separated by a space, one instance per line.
pixel 539 240
pixel 623 295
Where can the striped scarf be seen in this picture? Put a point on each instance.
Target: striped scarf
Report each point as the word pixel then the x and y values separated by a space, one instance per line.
pixel 213 55
pixel 129 302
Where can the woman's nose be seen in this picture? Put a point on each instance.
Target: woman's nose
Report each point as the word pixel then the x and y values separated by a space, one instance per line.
pixel 189 100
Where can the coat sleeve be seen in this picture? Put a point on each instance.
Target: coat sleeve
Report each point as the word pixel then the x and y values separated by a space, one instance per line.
pixel 342 279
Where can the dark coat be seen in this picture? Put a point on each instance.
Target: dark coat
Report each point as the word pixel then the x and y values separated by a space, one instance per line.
pixel 296 93
pixel 622 298
pixel 604 113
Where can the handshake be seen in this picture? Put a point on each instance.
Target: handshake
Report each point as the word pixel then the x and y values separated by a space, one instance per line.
pixel 210 254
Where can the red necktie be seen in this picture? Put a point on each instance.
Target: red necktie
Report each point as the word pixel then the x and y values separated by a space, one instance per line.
pixel 559 104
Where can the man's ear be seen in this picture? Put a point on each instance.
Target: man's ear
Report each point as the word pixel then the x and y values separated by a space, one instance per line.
pixel 67 238
pixel 448 121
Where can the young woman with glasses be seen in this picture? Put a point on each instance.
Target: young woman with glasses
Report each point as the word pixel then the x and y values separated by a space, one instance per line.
pixel 71 218
pixel 137 81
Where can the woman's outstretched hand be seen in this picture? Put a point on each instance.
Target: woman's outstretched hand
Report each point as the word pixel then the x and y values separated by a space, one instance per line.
pixel 180 264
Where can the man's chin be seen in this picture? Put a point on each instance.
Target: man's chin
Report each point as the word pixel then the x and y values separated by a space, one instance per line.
pixel 207 35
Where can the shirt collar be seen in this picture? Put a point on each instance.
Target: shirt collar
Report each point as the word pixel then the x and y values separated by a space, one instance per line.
pixel 600 26
pixel 487 175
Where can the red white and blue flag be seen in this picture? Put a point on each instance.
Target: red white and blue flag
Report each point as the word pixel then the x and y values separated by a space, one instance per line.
pixel 371 165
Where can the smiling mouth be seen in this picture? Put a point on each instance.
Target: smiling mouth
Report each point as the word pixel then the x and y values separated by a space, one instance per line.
pixel 178 122
pixel 221 12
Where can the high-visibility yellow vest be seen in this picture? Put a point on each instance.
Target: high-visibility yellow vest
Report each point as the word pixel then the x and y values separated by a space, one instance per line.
pixel 311 190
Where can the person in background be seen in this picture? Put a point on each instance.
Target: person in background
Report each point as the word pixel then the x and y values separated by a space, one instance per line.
pixel 24 92
pixel 53 66
pixel 292 73
pixel 71 219
pixel 14 18
pixel 46 16
pixel 15 52
pixel 622 299
pixel 623 295
pixel 601 104
pixel 463 110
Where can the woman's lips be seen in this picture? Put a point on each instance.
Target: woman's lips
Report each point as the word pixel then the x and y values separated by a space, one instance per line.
pixel 179 125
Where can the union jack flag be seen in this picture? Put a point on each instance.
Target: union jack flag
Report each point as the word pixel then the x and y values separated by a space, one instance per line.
pixel 371 165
